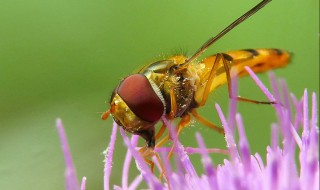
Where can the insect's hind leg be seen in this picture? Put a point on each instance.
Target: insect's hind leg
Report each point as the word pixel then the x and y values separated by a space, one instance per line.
pixel 226 62
pixel 228 75
pixel 224 58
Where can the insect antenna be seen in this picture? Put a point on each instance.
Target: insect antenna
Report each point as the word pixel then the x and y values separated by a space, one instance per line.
pixel 208 43
pixel 105 115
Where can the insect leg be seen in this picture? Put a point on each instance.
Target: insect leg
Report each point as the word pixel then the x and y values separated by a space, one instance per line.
pixel 145 153
pixel 185 120
pixel 210 80
pixel 227 69
pixel 105 115
pixel 206 122
pixel 163 170
pixel 183 123
pixel 150 162
pixel 170 117
pixel 161 131
pixel 173 104
pixel 162 141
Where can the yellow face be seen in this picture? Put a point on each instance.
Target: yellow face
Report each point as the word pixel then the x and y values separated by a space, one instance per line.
pixel 124 116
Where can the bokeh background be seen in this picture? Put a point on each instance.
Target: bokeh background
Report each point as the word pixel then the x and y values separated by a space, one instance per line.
pixel 63 58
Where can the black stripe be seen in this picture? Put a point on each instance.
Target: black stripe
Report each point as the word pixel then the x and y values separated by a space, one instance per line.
pixel 278 51
pixel 252 51
pixel 258 65
pixel 227 57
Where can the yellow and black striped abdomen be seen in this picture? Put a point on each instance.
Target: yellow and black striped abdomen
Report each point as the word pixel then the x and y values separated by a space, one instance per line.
pixel 259 60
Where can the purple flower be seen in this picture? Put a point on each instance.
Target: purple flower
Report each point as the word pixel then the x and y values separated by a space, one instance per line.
pixel 243 170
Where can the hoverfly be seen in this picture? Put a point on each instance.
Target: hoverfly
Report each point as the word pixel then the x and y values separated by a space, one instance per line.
pixel 177 86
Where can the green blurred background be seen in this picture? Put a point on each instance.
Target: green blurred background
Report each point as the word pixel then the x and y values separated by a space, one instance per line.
pixel 63 58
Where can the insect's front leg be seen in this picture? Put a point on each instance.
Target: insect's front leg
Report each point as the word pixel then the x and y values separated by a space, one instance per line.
pixel 159 134
pixel 173 104
pixel 185 121
pixel 161 131
pixel 147 154
pixel 105 115
pixel 170 116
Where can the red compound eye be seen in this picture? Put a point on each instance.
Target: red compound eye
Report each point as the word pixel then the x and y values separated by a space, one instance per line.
pixel 138 94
